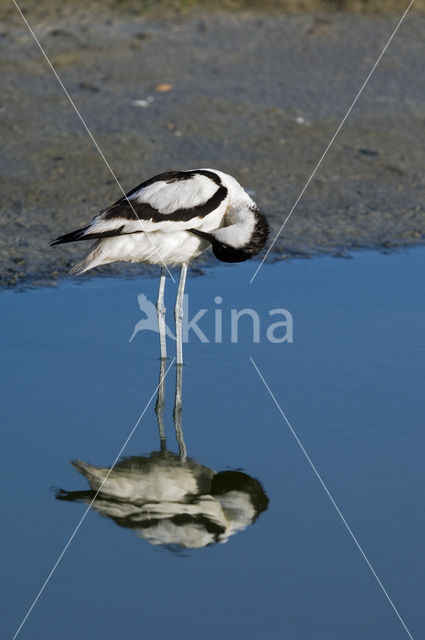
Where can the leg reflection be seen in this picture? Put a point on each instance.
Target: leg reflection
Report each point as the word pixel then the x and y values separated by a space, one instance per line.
pixel 169 499
pixel 177 410
pixel 160 405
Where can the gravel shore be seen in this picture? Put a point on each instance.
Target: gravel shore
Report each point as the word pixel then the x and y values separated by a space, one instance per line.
pixel 256 94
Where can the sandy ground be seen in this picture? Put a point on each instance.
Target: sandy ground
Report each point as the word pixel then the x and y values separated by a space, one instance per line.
pixel 256 94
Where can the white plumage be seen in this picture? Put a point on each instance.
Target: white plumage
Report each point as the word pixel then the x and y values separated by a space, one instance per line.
pixel 169 501
pixel 171 219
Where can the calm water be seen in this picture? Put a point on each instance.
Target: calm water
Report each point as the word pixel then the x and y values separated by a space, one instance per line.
pixel 279 562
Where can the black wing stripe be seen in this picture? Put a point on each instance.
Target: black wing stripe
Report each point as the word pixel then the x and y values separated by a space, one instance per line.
pixel 171 176
pixel 122 210
pixel 76 236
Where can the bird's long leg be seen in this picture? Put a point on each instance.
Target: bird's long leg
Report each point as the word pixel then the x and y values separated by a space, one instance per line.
pixel 160 310
pixel 160 405
pixel 177 412
pixel 178 315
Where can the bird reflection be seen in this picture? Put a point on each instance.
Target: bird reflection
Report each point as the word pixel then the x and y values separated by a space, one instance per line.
pixel 169 499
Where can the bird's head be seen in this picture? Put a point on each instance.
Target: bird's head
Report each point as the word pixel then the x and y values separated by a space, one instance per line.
pixel 244 238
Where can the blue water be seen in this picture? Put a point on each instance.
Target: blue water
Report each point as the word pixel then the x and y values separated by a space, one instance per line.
pixel 351 386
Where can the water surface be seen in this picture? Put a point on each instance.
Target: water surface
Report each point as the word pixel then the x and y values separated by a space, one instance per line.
pixel 351 385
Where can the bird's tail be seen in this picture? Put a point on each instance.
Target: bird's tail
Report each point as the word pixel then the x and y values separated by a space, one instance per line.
pixel 97 255
pixel 81 267
pixel 95 258
pixel 94 475
pixel 73 237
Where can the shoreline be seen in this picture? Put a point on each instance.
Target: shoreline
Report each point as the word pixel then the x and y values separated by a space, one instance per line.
pixel 258 96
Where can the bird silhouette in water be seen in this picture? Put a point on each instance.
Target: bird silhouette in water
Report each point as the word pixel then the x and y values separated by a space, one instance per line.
pixel 150 323
pixel 171 500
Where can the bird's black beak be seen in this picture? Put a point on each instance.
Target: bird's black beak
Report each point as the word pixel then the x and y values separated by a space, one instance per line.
pixel 202 234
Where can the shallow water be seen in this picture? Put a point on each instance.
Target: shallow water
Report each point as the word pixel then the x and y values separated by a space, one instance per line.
pixel 351 386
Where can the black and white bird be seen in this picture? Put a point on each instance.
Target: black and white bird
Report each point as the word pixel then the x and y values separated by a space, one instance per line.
pixel 170 220
pixel 170 502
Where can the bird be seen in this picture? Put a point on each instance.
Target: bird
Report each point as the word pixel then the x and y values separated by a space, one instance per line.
pixel 169 499
pixel 174 503
pixel 169 220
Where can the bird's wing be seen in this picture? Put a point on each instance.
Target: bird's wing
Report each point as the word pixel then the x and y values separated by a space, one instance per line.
pixel 146 306
pixel 173 197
